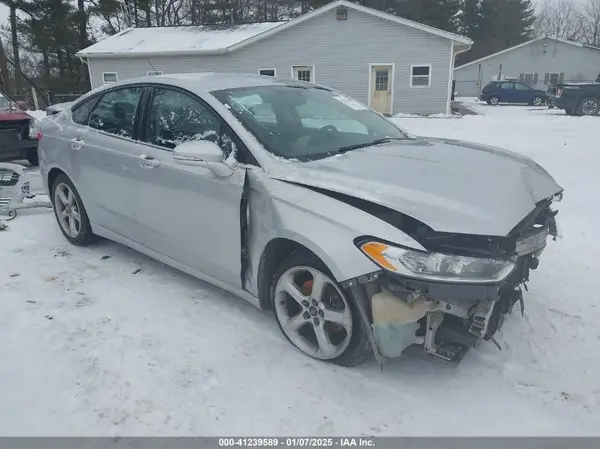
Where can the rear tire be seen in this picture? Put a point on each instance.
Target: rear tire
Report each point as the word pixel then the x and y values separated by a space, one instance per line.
pixel 32 157
pixel 70 213
pixel 537 101
pixel 493 101
pixel 307 326
pixel 589 106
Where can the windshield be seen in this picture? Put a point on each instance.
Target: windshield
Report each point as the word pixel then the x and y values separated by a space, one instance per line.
pixel 4 102
pixel 306 122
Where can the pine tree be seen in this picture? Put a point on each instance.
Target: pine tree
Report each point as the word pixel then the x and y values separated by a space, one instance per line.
pixel 500 24
pixel 469 18
pixel 443 14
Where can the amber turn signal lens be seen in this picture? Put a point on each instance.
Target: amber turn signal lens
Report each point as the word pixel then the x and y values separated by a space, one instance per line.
pixel 375 251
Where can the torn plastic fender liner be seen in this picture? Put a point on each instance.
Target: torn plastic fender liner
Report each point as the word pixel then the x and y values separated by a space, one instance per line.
pixel 395 322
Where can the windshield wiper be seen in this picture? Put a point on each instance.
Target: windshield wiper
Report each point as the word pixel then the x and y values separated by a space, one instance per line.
pixel 368 144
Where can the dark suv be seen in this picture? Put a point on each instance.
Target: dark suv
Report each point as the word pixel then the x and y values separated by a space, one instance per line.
pixel 512 92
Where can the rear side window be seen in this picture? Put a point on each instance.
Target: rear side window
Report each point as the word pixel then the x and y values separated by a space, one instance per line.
pixel 116 112
pixel 81 112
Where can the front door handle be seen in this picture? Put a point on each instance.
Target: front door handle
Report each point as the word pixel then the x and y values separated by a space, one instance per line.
pixel 148 161
pixel 77 143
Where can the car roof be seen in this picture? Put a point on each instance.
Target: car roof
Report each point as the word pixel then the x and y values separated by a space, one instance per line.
pixel 210 81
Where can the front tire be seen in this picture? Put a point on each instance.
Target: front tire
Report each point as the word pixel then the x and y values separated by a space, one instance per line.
pixel 493 101
pixel 315 314
pixel 70 213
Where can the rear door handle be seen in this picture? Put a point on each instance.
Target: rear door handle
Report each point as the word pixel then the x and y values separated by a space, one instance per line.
pixel 77 143
pixel 148 161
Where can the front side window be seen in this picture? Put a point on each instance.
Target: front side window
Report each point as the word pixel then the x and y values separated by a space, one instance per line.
pixel 175 117
pixel 306 123
pixel 81 113
pixel 116 112
pixel 420 76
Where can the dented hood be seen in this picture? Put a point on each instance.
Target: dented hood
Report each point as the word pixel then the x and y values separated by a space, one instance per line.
pixel 449 185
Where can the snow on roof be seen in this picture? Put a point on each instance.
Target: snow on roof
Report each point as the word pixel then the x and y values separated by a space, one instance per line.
pixel 183 39
pixel 170 41
pixel 506 50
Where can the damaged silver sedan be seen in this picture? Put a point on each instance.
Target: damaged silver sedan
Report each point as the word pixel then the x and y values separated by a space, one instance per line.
pixel 361 238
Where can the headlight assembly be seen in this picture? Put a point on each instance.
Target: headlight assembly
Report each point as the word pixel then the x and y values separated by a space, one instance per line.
pixel 437 266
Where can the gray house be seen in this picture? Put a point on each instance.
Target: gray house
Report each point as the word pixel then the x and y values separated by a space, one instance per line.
pixel 539 62
pixel 392 64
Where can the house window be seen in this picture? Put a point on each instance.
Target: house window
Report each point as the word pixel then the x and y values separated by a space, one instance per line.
pixel 420 76
pixel 381 80
pixel 303 73
pixel 109 77
pixel 553 78
pixel 267 72
pixel 155 73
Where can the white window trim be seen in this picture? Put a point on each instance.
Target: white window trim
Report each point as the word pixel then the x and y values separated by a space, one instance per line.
pixel 274 71
pixel 450 78
pixel 550 77
pixel 313 78
pixel 369 94
pixel 110 73
pixel 419 76
pixel 154 73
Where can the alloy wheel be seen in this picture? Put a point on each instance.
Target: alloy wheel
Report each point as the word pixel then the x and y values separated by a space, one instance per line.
pixel 313 312
pixel 589 107
pixel 494 101
pixel 537 101
pixel 67 210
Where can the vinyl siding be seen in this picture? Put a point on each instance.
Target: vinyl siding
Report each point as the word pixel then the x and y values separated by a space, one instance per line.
pixel 341 52
pixel 578 64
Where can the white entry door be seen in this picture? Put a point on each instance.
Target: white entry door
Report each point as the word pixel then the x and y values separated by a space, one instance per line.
pixel 381 88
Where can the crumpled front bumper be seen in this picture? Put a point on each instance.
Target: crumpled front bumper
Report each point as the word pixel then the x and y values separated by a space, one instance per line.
pixel 443 320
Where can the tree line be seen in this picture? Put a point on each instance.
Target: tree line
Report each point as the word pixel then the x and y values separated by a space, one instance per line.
pixel 42 37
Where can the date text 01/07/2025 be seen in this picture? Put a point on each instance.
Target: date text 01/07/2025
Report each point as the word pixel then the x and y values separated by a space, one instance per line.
pixel 296 442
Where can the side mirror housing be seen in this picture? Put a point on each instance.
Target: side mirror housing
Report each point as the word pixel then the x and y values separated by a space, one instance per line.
pixel 202 153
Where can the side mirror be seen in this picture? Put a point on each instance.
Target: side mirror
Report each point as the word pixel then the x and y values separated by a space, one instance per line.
pixel 202 153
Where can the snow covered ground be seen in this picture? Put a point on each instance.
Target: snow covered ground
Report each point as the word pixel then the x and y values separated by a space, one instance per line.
pixel 104 341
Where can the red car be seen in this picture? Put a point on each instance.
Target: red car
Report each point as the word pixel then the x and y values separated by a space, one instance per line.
pixel 15 126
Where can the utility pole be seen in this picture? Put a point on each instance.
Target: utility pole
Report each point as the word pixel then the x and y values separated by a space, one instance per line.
pixel 15 46
pixel 6 85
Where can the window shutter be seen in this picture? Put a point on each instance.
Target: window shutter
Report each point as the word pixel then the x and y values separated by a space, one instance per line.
pixel 521 76
pixel 535 78
pixel 561 78
pixel 546 78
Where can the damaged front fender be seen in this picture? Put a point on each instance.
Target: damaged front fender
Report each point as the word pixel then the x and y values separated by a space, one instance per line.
pixel 325 226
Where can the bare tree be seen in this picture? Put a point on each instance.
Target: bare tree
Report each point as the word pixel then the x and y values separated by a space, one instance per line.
pixel 559 18
pixel 591 22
